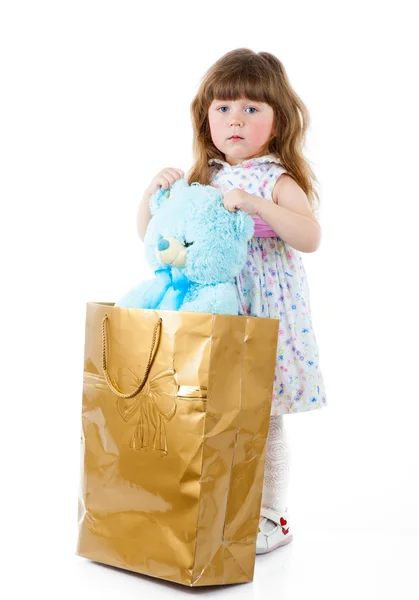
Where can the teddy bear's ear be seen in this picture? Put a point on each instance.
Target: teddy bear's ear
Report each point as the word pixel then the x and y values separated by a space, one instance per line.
pixel 161 195
pixel 157 200
pixel 244 225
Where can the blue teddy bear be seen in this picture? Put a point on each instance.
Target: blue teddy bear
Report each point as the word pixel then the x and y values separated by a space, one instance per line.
pixel 196 248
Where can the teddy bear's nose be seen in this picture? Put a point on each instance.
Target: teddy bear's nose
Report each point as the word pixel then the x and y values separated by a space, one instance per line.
pixel 163 244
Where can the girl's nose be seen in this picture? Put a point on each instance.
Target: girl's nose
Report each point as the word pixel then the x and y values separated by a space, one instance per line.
pixel 236 119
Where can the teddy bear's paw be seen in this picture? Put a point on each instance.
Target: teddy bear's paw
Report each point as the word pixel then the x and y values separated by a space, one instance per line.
pixel 141 296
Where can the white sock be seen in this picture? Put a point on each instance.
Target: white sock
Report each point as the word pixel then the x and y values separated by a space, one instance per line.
pixel 276 478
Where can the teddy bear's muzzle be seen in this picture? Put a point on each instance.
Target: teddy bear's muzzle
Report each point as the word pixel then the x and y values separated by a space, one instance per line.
pixel 171 252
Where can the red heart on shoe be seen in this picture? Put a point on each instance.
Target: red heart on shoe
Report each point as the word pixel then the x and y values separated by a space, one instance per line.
pixel 282 521
pixel 285 531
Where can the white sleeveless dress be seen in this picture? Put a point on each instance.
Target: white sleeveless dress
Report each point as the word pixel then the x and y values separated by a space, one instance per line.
pixel 273 284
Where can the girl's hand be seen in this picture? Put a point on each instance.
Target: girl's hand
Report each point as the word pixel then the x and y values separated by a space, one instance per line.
pixel 236 198
pixel 164 179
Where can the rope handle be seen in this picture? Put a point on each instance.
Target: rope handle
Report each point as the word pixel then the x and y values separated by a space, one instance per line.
pixel 112 385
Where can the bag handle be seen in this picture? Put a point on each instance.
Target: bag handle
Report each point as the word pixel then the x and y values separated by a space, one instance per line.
pixel 112 385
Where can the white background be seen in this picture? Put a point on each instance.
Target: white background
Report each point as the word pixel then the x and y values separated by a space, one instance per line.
pixel 94 102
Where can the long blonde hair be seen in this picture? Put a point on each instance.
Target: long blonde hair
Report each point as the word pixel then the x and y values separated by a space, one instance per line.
pixel 260 77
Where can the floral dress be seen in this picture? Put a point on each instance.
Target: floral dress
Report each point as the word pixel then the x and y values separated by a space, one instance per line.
pixel 273 284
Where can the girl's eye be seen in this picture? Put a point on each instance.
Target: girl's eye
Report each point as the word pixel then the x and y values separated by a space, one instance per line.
pixel 251 108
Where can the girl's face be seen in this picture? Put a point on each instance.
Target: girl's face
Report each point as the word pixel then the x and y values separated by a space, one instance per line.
pixel 251 121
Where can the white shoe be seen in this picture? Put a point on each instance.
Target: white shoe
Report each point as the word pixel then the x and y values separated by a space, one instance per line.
pixel 270 538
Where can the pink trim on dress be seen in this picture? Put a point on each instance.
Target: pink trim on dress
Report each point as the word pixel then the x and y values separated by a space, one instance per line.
pixel 262 229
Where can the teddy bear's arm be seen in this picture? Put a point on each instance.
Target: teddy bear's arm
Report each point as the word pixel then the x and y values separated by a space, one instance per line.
pixel 144 295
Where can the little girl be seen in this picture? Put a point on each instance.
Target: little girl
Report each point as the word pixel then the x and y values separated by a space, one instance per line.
pixel 249 131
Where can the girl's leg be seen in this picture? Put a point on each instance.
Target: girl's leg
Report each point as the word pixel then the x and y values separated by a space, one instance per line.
pixel 276 478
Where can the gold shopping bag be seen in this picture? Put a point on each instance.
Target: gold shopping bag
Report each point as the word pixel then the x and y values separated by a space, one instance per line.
pixel 175 419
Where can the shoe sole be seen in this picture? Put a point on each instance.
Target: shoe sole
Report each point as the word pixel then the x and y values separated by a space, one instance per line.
pixel 278 545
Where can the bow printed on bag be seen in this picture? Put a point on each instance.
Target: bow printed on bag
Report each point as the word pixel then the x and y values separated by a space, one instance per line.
pixel 156 404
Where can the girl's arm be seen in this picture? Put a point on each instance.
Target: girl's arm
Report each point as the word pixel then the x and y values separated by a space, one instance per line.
pixel 289 215
pixel 144 214
pixel 299 231
pixel 164 179
pixel 289 195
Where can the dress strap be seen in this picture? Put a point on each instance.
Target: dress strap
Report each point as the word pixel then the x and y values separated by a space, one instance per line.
pixel 269 179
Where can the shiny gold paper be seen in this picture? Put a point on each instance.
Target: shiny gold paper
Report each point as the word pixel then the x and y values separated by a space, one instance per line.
pixel 173 463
